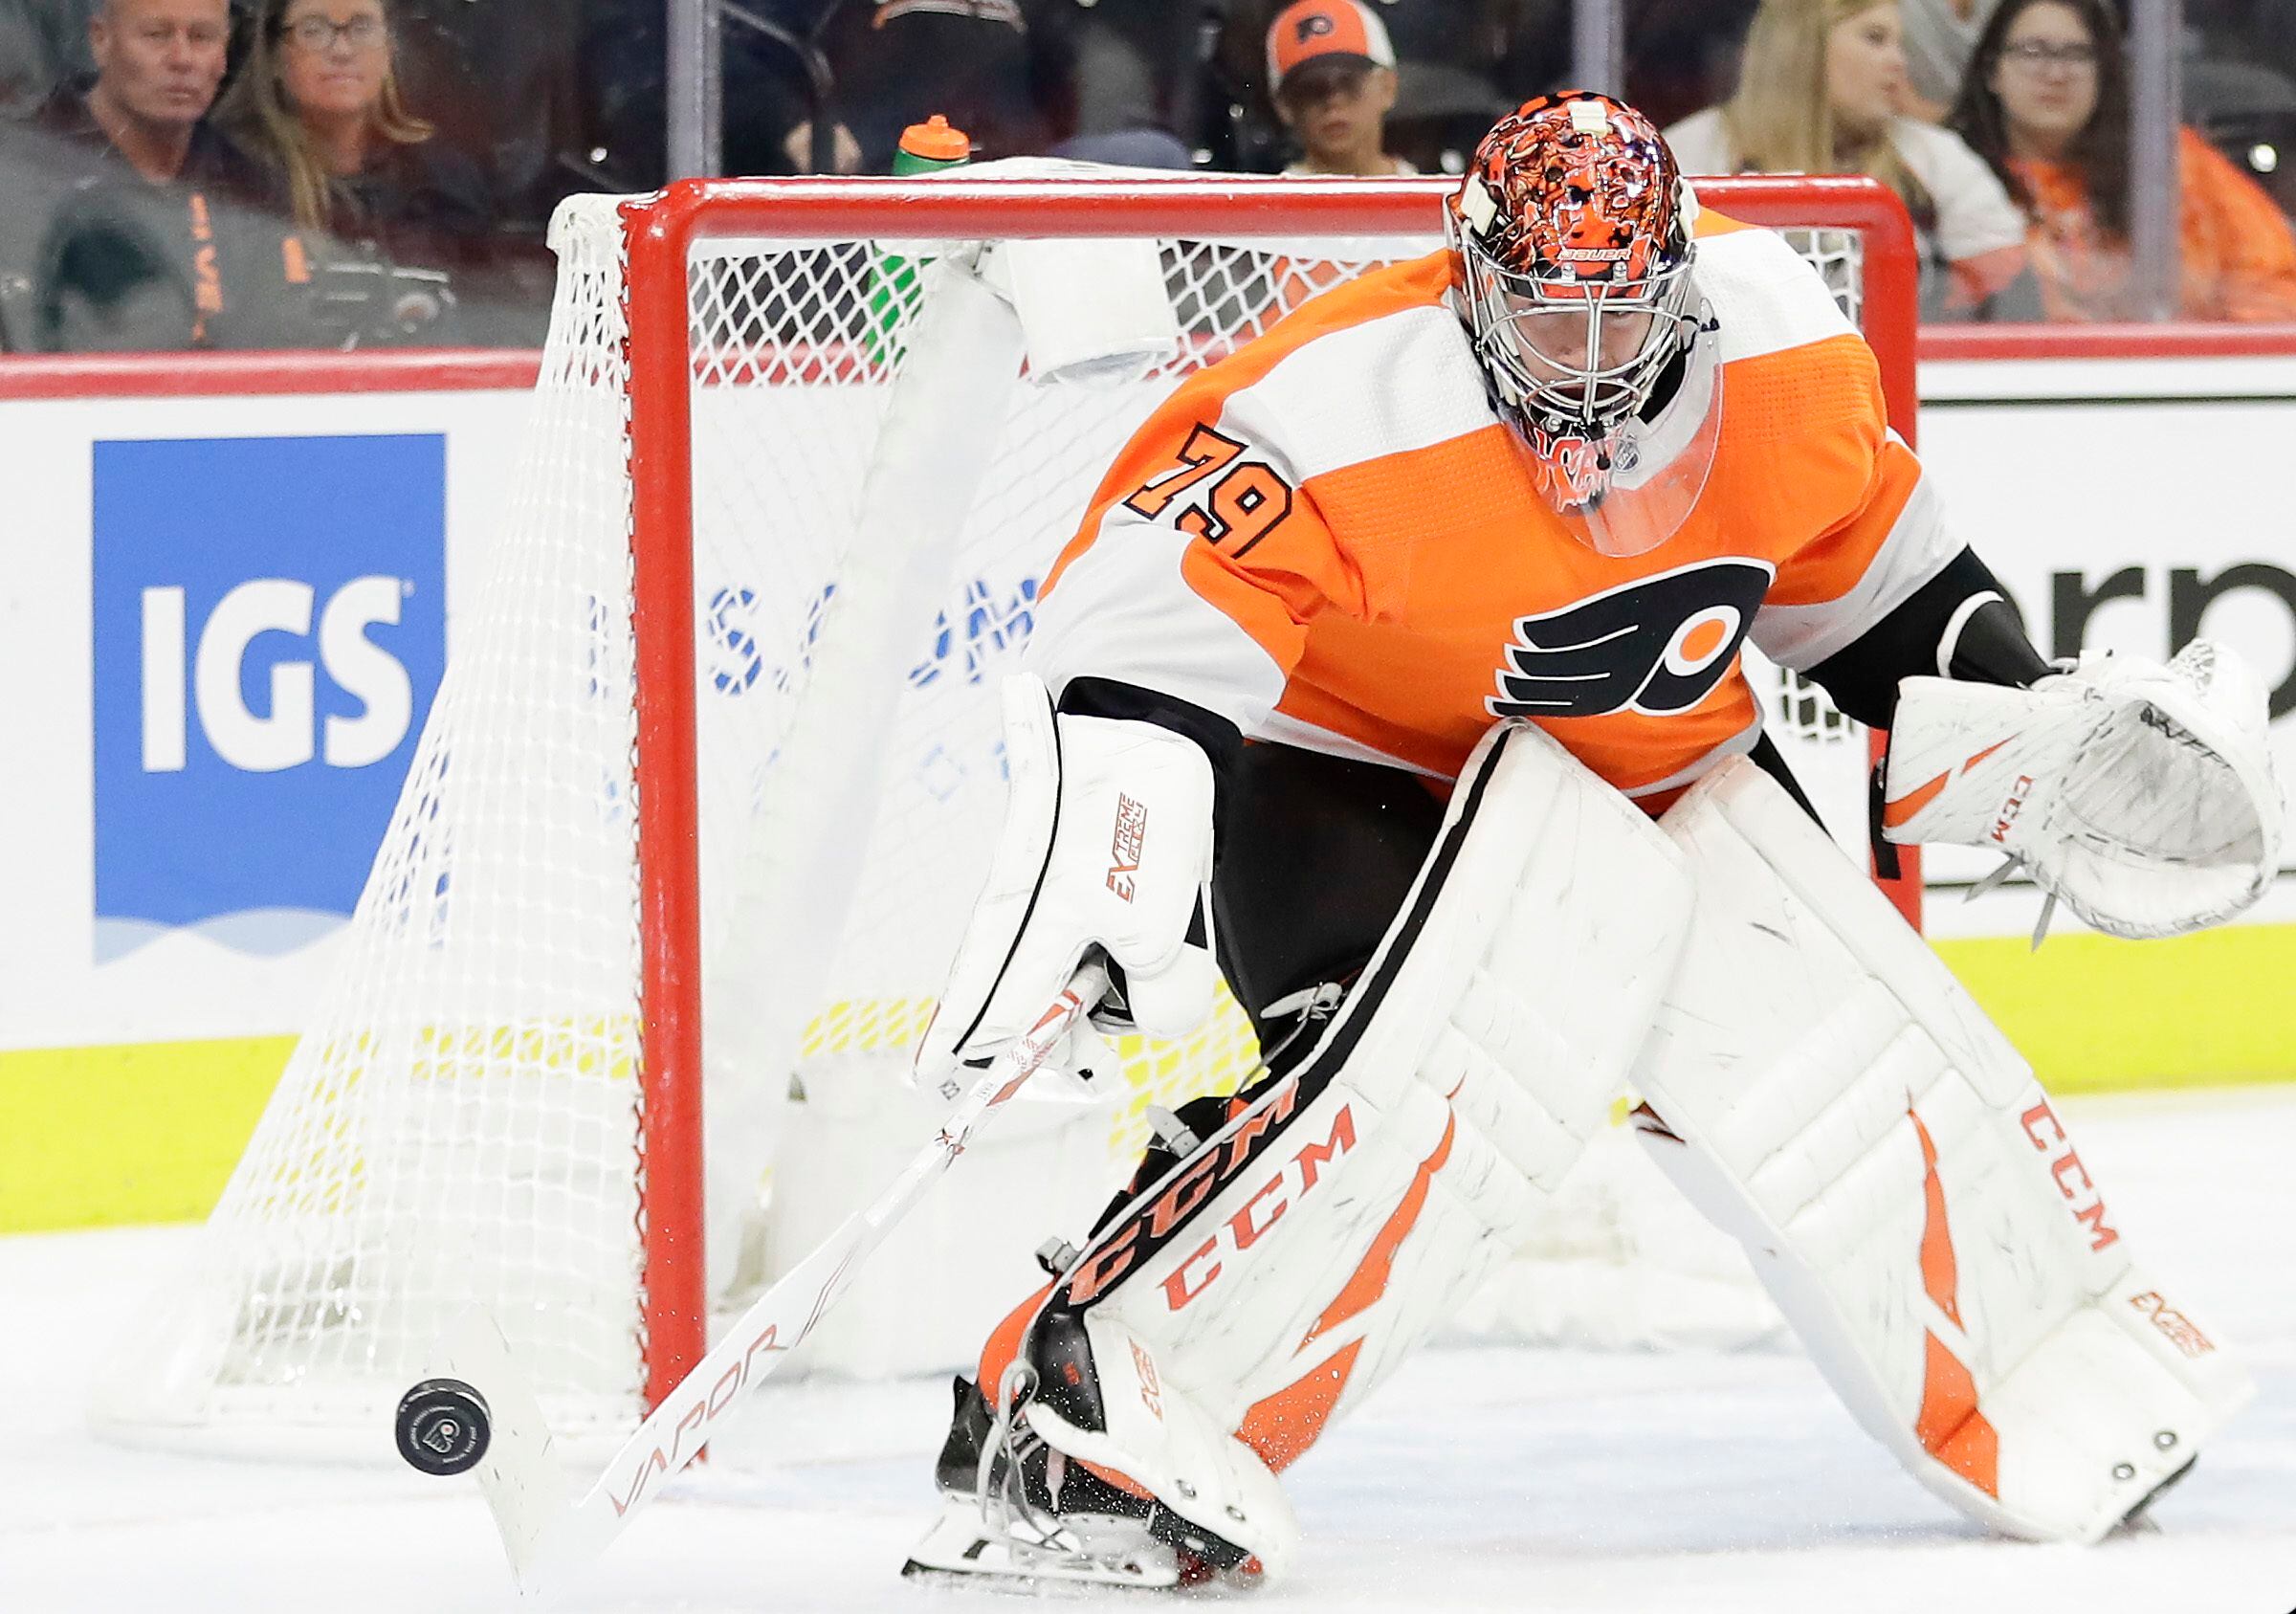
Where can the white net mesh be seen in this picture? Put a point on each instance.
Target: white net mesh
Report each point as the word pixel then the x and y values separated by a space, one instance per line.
pixel 461 1122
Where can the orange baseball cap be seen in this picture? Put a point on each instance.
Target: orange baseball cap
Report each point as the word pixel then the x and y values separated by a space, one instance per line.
pixel 1308 29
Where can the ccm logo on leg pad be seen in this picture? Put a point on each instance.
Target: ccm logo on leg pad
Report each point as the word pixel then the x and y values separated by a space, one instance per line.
pixel 2047 1135
pixel 1291 1182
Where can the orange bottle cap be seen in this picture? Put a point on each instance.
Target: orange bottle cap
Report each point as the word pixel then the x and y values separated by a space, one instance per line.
pixel 935 141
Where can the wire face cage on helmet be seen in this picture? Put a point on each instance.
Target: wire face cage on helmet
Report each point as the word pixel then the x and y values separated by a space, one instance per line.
pixel 1573 240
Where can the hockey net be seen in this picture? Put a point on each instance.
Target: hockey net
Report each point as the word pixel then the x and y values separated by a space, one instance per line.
pixel 698 812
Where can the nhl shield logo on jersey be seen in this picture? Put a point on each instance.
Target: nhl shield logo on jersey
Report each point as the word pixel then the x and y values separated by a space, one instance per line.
pixel 1657 646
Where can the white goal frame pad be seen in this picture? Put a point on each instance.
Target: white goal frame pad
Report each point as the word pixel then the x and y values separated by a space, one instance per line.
pixel 1831 1097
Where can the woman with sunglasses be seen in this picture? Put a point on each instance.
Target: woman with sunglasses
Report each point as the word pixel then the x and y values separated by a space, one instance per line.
pixel 2046 105
pixel 384 216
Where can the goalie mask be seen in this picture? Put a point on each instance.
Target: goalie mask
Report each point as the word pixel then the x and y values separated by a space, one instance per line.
pixel 1572 252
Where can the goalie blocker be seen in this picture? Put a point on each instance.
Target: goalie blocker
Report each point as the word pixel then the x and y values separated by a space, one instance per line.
pixel 1817 1083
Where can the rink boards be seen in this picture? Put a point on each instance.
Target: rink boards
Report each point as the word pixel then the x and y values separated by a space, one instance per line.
pixel 158 966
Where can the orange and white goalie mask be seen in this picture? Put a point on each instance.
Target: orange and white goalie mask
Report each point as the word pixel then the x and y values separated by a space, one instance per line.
pixel 1572 255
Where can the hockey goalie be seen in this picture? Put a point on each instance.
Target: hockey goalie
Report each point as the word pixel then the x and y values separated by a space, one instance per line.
pixel 1394 677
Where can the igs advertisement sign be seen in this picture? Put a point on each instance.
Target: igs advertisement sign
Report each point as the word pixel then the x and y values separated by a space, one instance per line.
pixel 270 627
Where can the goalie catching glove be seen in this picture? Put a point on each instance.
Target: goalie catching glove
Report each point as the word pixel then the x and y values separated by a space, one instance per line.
pixel 2140 795
pixel 1107 850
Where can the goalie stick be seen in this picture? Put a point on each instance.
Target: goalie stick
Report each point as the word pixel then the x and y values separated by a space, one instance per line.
pixel 545 1531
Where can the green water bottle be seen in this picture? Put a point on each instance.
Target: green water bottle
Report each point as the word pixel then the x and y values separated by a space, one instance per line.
pixel 929 148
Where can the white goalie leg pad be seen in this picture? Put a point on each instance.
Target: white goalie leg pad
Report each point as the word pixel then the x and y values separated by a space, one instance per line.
pixel 1272 1279
pixel 1831 1097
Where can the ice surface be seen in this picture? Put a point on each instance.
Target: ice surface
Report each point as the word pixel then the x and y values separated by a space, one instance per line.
pixel 1485 1479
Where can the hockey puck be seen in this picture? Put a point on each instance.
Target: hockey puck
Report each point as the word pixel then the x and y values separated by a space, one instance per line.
pixel 443 1426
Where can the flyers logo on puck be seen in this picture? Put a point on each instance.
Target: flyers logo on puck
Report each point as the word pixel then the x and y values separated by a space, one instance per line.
pixel 1657 646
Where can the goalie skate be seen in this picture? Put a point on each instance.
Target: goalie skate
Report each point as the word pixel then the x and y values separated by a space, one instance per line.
pixel 1017 1515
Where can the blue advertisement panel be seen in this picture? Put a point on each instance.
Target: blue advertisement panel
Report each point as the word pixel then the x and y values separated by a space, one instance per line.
pixel 270 628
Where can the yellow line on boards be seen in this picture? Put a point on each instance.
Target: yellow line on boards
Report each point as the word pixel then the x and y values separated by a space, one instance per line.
pixel 135 1133
pixel 2093 1013
pixel 141 1133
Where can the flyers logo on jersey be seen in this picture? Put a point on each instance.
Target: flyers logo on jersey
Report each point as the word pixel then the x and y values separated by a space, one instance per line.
pixel 1656 645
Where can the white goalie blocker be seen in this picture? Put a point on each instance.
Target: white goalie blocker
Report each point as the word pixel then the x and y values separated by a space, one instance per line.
pixel 1828 1093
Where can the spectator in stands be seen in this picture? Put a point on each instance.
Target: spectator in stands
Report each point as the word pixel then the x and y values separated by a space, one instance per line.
pixel 43 46
pixel 1819 93
pixel 29 71
pixel 1331 72
pixel 158 65
pixel 2238 80
pixel 388 219
pixel 1004 71
pixel 1458 65
pixel 122 229
pixel 2047 104
pixel 502 97
pixel 775 78
pixel 1940 35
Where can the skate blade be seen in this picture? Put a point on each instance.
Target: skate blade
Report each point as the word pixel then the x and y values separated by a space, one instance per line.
pixel 959 1549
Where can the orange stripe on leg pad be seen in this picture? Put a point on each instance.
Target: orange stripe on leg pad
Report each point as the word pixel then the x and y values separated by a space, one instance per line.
pixel 1369 1280
pixel 1119 1478
pixel 1285 1424
pixel 1952 1429
pixel 1941 1274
